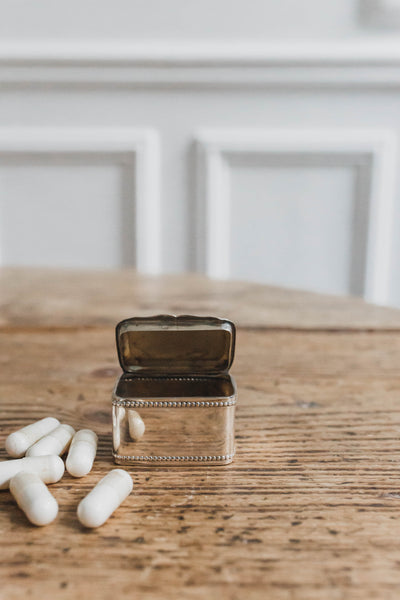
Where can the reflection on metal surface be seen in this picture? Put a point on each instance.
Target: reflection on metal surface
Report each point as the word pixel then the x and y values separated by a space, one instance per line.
pixel 172 433
pixel 136 425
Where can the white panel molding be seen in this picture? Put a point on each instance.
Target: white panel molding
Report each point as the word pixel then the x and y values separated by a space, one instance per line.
pixel 336 63
pixel 135 150
pixel 373 153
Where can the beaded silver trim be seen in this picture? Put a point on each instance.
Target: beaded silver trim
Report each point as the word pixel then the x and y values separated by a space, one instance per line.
pixel 171 404
pixel 165 377
pixel 174 458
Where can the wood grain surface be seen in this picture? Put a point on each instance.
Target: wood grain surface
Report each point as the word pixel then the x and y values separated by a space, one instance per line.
pixel 309 509
pixel 47 298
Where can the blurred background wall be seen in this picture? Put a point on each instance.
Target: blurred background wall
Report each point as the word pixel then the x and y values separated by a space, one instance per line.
pixel 250 140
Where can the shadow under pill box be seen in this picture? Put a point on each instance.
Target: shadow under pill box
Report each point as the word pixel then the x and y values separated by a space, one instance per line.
pixel 175 401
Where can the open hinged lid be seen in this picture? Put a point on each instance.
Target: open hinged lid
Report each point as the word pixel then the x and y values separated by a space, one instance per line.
pixel 169 345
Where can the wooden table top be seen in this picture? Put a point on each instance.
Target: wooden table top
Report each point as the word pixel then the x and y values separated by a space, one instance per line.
pixel 307 510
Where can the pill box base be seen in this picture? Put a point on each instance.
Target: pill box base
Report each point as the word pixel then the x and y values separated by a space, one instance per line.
pixel 174 460
pixel 186 431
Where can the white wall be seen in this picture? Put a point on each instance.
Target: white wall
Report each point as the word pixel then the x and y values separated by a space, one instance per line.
pixel 249 140
pixel 178 19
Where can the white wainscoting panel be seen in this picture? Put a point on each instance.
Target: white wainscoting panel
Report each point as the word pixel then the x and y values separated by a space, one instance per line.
pixel 80 197
pixel 318 213
pixel 309 122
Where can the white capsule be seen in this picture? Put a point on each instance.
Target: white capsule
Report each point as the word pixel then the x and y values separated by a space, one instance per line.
pixel 56 442
pixel 136 425
pixel 18 442
pixel 104 498
pixel 49 468
pixel 33 497
pixel 82 452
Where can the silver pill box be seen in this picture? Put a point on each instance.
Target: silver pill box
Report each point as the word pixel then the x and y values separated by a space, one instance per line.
pixel 175 400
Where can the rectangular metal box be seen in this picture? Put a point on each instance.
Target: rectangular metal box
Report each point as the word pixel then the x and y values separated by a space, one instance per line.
pixel 175 401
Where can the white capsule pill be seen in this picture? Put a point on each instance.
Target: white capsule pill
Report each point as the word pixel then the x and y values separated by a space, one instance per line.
pixel 18 442
pixel 49 468
pixel 82 452
pixel 33 497
pixel 136 425
pixel 56 442
pixel 104 498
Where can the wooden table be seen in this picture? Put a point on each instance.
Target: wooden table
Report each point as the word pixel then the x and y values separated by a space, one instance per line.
pixel 308 510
